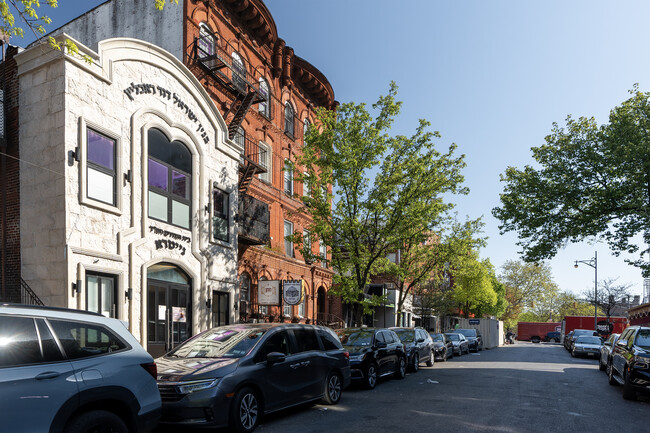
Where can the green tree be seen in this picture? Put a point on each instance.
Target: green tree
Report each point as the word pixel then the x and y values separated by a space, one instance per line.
pixel 526 285
pixel 592 182
pixel 473 285
pixel 389 190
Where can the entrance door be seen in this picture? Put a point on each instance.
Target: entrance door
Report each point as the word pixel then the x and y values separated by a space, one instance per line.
pixel 220 304
pixel 169 309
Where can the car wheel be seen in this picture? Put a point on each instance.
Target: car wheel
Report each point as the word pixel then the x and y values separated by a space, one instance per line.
pixel 333 389
pixel 610 375
pixel 400 373
pixel 95 421
pixel 371 375
pixel 245 411
pixel 629 393
pixel 431 359
pixel 416 363
pixel 451 354
pixel 601 366
pixel 467 350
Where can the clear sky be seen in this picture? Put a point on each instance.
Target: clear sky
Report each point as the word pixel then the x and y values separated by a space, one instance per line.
pixel 491 76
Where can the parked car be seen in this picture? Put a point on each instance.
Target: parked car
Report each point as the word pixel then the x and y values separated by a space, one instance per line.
pixel 567 340
pixel 579 333
pixel 606 352
pixel 586 345
pixel 419 346
pixel 630 364
pixel 473 336
pixel 443 348
pixel 553 336
pixel 232 375
pixel 64 370
pixel 374 353
pixel 460 343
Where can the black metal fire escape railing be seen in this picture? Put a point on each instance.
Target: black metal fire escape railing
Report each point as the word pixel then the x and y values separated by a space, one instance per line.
pixel 219 59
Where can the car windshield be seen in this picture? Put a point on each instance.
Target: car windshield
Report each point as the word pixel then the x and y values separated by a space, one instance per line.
pixel 589 340
pixel 224 342
pixel 453 337
pixel 405 335
pixel 438 338
pixel 356 338
pixel 643 338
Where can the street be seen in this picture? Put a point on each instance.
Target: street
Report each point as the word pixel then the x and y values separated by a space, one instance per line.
pixel 516 389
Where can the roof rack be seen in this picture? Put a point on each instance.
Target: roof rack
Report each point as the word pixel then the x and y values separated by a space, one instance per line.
pixel 41 307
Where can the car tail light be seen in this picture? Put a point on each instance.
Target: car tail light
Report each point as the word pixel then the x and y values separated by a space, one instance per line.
pixel 347 355
pixel 151 369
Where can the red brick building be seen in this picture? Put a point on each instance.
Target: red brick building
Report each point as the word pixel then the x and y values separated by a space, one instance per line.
pixel 268 95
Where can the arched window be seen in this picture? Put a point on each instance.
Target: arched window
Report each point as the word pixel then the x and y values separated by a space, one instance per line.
pixel 265 106
pixel 240 137
pixel 207 41
pixel 288 119
pixel 238 72
pixel 263 309
pixel 305 128
pixel 170 180
pixel 244 293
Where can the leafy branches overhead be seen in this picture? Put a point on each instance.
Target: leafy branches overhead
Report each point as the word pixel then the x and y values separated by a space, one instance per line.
pixel 593 182
pixel 387 190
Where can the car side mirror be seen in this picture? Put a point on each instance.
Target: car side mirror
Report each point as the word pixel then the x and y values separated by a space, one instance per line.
pixel 420 340
pixel 382 345
pixel 275 357
pixel 621 343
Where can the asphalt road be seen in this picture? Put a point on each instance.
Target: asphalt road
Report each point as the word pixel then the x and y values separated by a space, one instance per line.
pixel 516 389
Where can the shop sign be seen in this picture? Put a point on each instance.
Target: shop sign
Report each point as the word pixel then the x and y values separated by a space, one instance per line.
pixel 292 292
pixel 169 244
pixel 268 292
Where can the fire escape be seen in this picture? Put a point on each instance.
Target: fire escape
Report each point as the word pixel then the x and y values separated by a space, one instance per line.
pixel 231 75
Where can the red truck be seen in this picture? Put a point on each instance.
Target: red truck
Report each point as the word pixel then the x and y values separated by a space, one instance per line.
pixel 616 325
pixel 536 331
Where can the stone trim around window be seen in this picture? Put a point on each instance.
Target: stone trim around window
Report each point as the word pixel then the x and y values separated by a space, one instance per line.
pixel 82 155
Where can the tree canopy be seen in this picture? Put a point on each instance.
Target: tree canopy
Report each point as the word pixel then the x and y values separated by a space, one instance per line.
pixel 387 189
pixel 592 182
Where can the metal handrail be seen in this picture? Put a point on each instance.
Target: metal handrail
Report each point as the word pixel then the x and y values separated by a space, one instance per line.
pixel 27 295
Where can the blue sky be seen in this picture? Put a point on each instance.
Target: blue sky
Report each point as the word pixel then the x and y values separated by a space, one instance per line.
pixel 491 76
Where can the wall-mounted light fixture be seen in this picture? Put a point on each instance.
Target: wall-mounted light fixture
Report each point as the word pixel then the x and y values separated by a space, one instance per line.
pixel 76 288
pixel 128 176
pixel 208 304
pixel 128 293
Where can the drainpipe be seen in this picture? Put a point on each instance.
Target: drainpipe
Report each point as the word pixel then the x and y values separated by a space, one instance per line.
pixel 3 170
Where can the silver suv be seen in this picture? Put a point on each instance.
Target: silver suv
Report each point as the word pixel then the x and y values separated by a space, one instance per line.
pixel 73 371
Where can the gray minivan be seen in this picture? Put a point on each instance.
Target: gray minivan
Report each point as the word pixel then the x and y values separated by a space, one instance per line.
pixel 232 375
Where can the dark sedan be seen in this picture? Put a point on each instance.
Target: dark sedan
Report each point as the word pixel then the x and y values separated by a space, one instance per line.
pixel 419 347
pixel 231 375
pixel 443 348
pixel 474 339
pixel 374 353
pixel 461 345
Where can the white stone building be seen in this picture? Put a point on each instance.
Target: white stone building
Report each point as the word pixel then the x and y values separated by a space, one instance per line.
pixel 127 204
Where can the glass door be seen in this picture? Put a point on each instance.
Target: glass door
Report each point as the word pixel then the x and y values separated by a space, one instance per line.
pixel 220 304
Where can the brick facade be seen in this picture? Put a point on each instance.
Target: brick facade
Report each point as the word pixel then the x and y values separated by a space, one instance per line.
pixel 10 187
pixel 248 30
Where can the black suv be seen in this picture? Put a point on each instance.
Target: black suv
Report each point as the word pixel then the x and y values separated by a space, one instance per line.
pixel 473 337
pixel 419 346
pixel 630 365
pixel 374 353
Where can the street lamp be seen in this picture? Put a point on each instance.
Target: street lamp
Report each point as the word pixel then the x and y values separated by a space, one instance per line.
pixel 594 264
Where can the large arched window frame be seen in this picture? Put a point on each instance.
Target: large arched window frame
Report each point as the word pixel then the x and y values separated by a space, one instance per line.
pixel 289 120
pixel 305 128
pixel 207 41
pixel 170 180
pixel 238 72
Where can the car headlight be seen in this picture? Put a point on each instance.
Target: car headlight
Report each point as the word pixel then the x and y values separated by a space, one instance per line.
pixel 641 362
pixel 357 358
pixel 196 385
